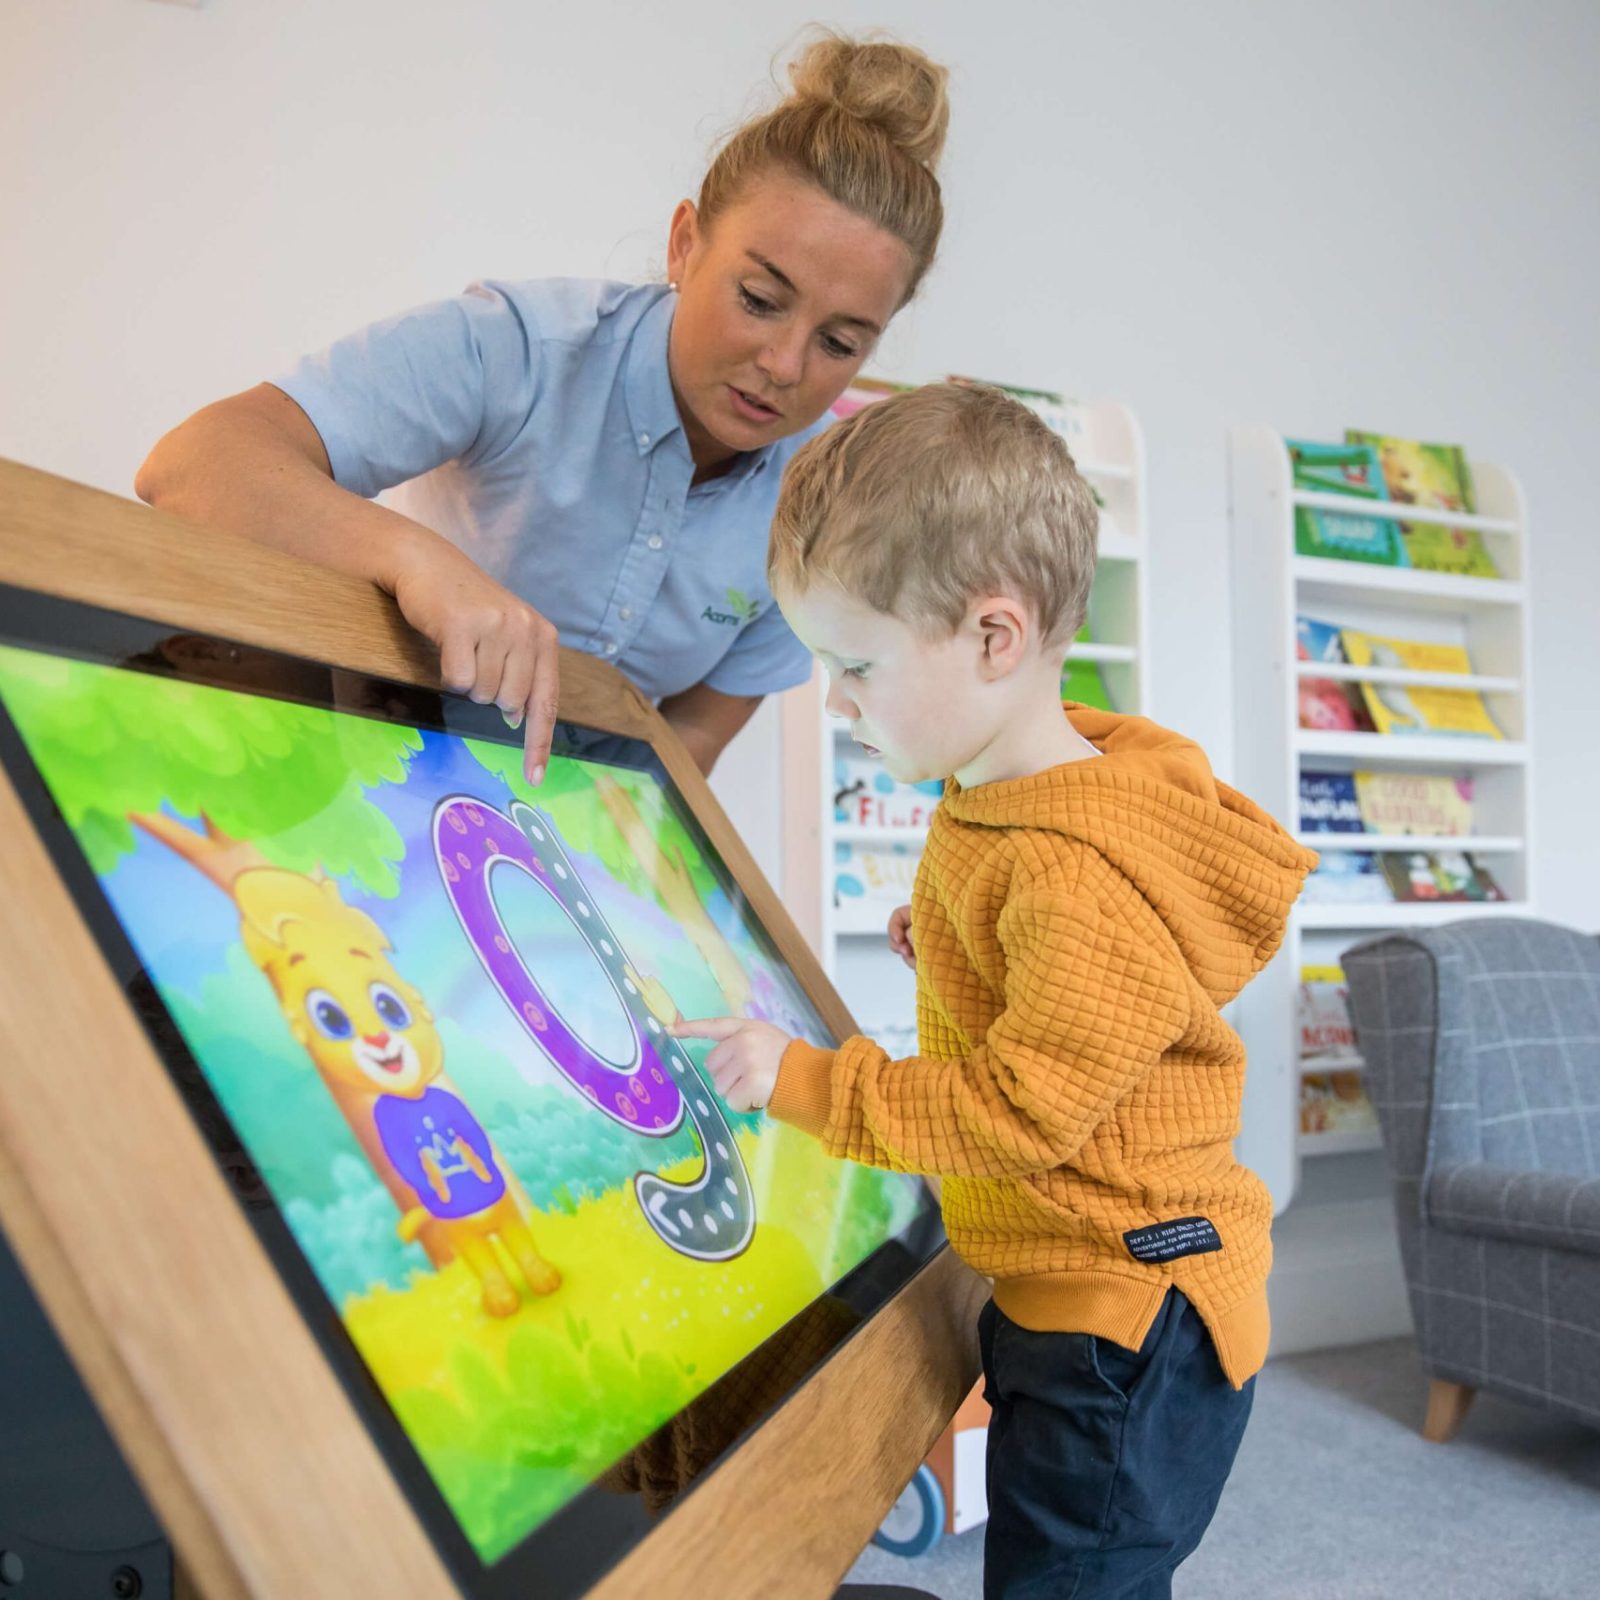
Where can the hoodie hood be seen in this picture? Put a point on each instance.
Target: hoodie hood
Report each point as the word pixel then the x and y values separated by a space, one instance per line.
pixel 1216 869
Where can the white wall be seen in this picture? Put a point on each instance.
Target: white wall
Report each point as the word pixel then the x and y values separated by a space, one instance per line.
pixel 1300 213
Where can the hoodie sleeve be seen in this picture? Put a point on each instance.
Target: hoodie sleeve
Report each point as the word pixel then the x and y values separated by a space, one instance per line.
pixel 1089 1009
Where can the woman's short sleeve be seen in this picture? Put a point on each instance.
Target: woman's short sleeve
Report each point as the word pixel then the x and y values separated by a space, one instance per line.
pixel 452 380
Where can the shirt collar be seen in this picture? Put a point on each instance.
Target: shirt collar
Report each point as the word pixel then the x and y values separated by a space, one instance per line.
pixel 652 406
pixel 652 409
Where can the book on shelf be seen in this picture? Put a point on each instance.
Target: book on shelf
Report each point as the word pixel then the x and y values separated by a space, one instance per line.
pixel 1055 410
pixel 874 875
pixel 1060 415
pixel 1328 803
pixel 1082 681
pixel 1437 476
pixel 863 392
pixel 865 796
pixel 1335 1102
pixel 1433 803
pixel 1327 704
pixel 1412 709
pixel 1351 470
pixel 1433 875
pixel 1347 877
pixel 1327 1035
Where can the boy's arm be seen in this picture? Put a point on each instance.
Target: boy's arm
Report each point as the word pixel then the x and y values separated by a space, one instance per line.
pixel 1089 1009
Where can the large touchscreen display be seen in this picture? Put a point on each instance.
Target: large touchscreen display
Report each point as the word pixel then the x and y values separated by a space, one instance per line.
pixel 432 1003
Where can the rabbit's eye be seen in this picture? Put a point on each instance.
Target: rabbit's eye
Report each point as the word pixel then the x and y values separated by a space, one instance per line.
pixel 329 1018
pixel 389 1006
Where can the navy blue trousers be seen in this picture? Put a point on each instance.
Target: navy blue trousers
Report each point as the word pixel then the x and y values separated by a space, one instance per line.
pixel 1105 1465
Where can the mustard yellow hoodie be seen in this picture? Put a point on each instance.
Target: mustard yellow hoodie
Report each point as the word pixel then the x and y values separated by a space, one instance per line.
pixel 1078 1091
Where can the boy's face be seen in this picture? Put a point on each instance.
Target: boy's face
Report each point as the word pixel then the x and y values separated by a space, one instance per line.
pixel 915 698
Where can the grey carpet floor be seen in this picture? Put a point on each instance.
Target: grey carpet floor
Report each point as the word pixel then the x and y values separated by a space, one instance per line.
pixel 1336 1496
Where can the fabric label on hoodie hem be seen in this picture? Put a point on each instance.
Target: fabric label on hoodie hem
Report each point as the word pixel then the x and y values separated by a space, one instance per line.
pixel 1167 1241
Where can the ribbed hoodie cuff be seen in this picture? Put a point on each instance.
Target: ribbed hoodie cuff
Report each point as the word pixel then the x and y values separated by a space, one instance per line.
pixel 803 1095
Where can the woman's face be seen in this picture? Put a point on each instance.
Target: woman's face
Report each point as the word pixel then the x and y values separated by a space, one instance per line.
pixel 779 304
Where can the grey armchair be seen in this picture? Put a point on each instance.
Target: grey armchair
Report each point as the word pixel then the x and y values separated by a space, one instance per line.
pixel 1482 1046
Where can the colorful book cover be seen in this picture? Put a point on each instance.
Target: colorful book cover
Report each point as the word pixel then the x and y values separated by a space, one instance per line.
pixel 1458 550
pixel 1316 640
pixel 1432 803
pixel 1344 469
pixel 1328 803
pixel 1437 476
pixel 1461 876
pixel 1326 1033
pixel 1410 876
pixel 1335 1102
pixel 1347 877
pixel 1409 708
pixel 1442 875
pixel 1327 704
pixel 1084 683
pixel 862 392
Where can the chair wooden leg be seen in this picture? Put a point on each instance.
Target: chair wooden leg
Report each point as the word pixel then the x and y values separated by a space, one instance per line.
pixel 1447 1405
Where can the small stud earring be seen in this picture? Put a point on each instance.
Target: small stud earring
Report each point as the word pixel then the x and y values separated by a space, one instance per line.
pixel 672 283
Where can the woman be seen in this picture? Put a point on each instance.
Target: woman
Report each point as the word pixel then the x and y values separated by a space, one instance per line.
pixel 595 464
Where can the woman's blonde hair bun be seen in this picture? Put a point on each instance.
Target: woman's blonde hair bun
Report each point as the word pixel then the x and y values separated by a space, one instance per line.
pixel 879 81
pixel 865 124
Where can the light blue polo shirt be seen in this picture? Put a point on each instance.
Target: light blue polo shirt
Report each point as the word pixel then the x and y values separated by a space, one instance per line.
pixel 534 425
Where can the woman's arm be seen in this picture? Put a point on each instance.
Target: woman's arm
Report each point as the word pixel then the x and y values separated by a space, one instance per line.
pixel 706 719
pixel 254 464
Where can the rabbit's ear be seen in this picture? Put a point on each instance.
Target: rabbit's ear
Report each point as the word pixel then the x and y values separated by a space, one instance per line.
pixel 270 897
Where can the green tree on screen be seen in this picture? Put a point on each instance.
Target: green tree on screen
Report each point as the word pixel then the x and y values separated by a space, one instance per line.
pixel 114 742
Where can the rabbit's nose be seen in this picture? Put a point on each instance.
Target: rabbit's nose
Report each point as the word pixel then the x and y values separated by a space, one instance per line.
pixel 376 1040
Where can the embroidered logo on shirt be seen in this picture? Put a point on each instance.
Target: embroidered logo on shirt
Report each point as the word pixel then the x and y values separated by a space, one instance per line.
pixel 740 610
pixel 1166 1241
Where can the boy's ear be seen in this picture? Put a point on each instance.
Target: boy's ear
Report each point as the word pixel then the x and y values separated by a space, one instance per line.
pixel 1003 629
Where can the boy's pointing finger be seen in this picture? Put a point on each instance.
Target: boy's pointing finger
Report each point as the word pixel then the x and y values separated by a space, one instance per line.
pixel 707 1027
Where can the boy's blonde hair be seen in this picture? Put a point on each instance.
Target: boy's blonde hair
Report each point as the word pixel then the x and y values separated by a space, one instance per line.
pixel 865 123
pixel 924 502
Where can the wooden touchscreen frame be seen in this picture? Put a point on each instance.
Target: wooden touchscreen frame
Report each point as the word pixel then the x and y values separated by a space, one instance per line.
pixel 161 1292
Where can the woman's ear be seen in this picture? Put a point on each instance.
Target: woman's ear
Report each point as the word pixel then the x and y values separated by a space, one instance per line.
pixel 1003 629
pixel 682 237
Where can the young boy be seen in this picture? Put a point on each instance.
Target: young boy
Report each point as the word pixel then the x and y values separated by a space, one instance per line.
pixel 1089 897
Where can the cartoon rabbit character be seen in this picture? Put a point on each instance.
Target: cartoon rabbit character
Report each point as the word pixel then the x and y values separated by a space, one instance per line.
pixel 375 1046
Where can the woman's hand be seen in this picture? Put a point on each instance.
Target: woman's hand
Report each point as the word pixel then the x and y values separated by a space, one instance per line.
pixel 900 936
pixel 493 647
pixel 254 464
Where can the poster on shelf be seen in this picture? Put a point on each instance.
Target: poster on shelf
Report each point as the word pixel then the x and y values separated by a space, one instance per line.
pixel 878 876
pixel 865 796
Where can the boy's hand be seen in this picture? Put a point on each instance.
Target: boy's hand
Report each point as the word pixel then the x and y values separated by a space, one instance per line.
pixel 744 1064
pixel 900 936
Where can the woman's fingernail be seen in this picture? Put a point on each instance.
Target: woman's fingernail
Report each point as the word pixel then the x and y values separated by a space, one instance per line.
pixel 536 777
pixel 513 719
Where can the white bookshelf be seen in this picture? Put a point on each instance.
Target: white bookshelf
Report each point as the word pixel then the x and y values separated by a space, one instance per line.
pixel 851 941
pixel 1271 586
